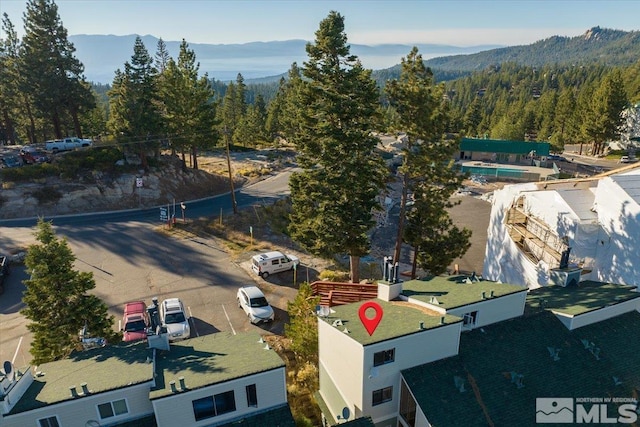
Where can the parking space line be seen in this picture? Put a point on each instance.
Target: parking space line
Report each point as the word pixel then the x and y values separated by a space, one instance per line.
pixel 193 323
pixel 17 349
pixel 228 320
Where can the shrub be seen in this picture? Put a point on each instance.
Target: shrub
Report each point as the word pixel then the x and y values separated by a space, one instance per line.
pixel 47 195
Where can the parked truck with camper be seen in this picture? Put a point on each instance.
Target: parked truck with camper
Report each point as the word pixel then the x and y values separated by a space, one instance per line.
pixel 66 144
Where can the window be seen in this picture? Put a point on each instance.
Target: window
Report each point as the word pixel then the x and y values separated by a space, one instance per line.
pixel 384 357
pixel 252 396
pixel 113 409
pixel 407 405
pixel 49 422
pixel 381 396
pixel 470 318
pixel 212 406
pixel 275 262
pixel 203 408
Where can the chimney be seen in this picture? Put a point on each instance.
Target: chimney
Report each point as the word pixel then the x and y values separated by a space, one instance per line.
pixel 183 387
pixel 173 386
pixel 85 389
pixel 74 392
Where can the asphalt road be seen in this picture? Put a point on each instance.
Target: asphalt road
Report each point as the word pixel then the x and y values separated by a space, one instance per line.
pixel 131 259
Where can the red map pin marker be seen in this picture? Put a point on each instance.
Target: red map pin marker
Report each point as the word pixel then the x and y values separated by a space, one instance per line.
pixel 370 324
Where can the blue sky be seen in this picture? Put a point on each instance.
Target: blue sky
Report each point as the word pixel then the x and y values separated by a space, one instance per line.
pixel 459 23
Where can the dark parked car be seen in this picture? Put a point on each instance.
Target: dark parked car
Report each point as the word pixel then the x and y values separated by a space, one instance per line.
pixel 32 156
pixel 556 158
pixel 11 162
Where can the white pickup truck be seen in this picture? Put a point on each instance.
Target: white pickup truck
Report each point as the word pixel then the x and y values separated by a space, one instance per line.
pixel 66 144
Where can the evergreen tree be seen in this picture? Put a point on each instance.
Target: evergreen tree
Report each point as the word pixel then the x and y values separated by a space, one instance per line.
pixel 11 97
pixel 427 169
pixel 473 117
pixel 162 56
pixel 302 328
pixel 604 115
pixel 342 175
pixel 53 76
pixel 135 115
pixel 57 300
pixel 564 123
pixel 187 104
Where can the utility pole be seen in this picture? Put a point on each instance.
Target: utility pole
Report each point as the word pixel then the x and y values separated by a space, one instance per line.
pixel 233 194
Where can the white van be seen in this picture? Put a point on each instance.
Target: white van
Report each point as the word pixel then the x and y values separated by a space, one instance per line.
pixel 273 262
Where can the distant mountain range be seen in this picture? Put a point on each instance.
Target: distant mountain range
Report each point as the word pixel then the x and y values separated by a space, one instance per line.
pixel 601 45
pixel 265 62
pixel 102 55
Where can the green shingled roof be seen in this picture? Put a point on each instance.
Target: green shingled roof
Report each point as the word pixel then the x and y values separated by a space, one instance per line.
pixel 277 417
pixel 453 291
pixel 398 319
pixel 488 356
pixel 586 297
pixel 212 359
pixel 504 146
pixel 125 364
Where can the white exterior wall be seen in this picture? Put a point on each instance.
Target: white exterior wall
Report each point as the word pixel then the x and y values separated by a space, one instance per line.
pixel 177 409
pixel 346 364
pixel 341 357
pixel 76 413
pixel 618 251
pixel 410 350
pixel 503 261
pixel 607 245
pixel 494 310
pixel 13 392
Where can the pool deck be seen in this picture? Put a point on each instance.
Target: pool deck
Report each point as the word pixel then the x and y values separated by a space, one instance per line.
pixel 544 172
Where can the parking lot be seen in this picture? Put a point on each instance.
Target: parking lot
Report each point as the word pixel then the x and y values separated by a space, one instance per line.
pixel 133 262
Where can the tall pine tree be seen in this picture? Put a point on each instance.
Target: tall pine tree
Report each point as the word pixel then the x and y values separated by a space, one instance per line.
pixel 53 76
pixel 427 170
pixel 334 195
pixel 57 300
pixel 135 114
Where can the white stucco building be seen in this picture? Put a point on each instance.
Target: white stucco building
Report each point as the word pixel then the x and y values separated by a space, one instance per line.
pixel 213 380
pixel 597 220
pixel 360 373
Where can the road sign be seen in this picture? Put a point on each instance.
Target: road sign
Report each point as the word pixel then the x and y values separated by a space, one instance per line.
pixel 164 214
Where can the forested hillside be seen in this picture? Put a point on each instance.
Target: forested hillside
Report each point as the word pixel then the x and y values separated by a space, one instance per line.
pixel 597 45
pixel 562 90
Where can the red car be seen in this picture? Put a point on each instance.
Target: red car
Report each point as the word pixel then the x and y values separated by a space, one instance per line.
pixel 32 156
pixel 135 321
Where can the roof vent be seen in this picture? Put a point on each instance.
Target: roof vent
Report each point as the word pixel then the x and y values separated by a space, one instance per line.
pixel 442 320
pixel 183 387
pixel 85 389
pixel 266 347
pixel 337 322
pixel 74 392
pixel 491 294
pixel 174 389
pixel 346 331
pixel 484 295
pixel 421 327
